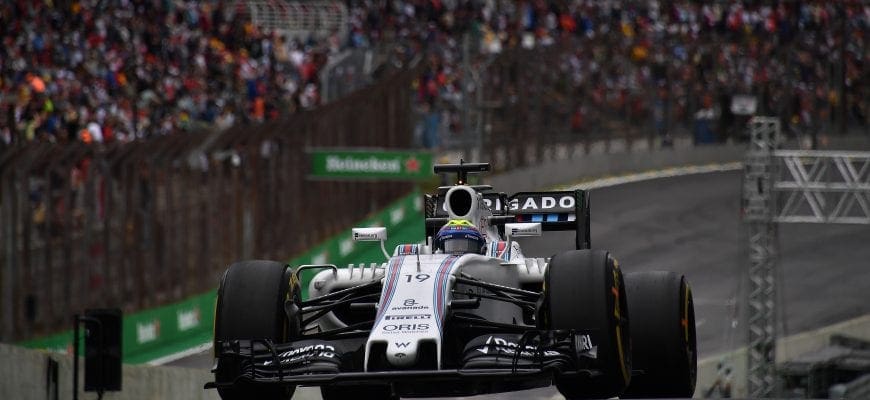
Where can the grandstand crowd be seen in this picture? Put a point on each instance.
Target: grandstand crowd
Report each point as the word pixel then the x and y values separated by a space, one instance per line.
pixel 120 70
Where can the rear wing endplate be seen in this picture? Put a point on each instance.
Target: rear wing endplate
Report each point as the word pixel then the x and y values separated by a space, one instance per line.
pixel 556 211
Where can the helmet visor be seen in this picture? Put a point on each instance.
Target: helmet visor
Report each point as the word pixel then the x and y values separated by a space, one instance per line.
pixel 461 246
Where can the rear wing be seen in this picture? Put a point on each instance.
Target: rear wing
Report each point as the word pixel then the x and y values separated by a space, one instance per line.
pixel 556 211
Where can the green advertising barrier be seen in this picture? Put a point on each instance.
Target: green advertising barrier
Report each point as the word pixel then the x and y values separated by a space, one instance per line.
pixel 404 223
pixel 370 164
pixel 153 334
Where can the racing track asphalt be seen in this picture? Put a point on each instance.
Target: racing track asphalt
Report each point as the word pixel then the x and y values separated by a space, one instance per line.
pixel 690 224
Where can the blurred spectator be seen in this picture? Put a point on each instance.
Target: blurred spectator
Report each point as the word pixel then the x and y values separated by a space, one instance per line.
pixel 104 71
pixel 615 53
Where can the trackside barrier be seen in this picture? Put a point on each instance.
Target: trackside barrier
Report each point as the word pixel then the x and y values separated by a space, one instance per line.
pixel 152 334
pixel 566 166
pixel 25 375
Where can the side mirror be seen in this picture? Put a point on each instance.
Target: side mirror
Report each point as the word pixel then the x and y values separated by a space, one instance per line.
pixel 377 234
pixel 523 229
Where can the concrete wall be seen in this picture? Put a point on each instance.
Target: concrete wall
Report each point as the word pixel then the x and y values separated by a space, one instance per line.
pixel 600 164
pixel 618 159
pixel 23 376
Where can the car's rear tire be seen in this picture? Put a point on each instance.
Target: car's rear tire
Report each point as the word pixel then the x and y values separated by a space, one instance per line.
pixel 250 305
pixel 382 392
pixel 584 291
pixel 662 334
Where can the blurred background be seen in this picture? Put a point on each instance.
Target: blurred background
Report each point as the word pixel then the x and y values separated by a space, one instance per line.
pixel 145 145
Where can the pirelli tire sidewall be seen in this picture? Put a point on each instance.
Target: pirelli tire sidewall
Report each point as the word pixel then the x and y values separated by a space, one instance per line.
pixel 584 291
pixel 663 335
pixel 251 305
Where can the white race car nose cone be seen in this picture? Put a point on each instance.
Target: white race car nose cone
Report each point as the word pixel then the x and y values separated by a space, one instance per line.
pixel 402 354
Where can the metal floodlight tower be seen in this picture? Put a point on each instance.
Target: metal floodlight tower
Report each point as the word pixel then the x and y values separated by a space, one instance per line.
pixel 815 187
pixel 758 206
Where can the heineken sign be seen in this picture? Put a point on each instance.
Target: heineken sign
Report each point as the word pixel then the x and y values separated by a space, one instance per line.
pixel 370 164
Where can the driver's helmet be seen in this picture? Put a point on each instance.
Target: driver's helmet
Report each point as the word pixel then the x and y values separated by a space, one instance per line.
pixel 459 236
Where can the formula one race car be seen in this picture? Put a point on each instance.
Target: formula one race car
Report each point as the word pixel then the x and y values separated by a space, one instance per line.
pixel 464 313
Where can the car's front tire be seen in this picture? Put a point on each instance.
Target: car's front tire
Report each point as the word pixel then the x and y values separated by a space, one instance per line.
pixel 250 305
pixel 584 291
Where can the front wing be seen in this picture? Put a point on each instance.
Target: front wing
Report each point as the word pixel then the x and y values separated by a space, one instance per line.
pixel 529 360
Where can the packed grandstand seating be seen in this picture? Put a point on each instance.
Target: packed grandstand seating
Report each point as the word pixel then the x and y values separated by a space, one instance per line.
pixel 103 71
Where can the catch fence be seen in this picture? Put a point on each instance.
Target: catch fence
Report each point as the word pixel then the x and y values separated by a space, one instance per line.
pixel 524 105
pixel 147 223
pixel 528 110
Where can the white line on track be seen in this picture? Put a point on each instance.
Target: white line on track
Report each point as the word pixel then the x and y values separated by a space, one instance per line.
pixel 654 174
pixel 181 354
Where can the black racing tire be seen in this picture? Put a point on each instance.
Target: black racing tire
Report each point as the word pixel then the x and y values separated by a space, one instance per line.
pixel 662 334
pixel 380 392
pixel 250 305
pixel 584 291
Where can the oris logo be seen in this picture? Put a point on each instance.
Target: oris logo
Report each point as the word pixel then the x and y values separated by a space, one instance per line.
pixel 405 327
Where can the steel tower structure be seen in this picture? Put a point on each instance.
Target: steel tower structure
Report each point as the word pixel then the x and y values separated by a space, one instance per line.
pixel 789 186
